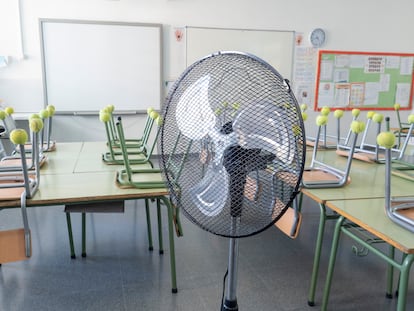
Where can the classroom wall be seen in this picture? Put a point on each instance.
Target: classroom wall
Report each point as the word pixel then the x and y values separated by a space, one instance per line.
pixel 369 25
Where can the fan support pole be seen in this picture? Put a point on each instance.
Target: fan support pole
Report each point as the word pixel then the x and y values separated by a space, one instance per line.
pixel 230 301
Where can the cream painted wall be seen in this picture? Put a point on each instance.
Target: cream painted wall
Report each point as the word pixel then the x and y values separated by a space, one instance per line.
pixel 350 25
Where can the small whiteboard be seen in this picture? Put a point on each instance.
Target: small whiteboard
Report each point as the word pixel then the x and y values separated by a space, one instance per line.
pixel 273 46
pixel 88 65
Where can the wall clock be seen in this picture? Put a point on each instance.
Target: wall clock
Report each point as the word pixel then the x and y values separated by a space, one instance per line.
pixel 317 37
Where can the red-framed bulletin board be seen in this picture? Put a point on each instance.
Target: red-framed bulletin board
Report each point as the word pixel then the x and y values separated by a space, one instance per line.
pixel 364 80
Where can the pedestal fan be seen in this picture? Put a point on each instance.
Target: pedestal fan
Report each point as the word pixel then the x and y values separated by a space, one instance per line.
pixel 248 148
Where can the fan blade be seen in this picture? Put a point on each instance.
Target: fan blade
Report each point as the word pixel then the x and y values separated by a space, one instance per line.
pixel 211 193
pixel 194 115
pixel 268 130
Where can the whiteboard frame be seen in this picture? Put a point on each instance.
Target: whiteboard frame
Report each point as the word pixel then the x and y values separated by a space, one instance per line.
pixel 245 47
pixel 158 74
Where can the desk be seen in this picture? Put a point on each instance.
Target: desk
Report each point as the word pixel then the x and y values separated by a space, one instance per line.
pixel 75 173
pixel 367 182
pixel 380 226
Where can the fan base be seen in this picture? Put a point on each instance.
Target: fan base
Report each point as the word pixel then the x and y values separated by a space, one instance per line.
pixel 229 305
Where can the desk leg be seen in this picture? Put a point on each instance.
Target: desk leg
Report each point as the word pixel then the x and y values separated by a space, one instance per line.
pixel 403 284
pixel 390 273
pixel 318 248
pixel 72 247
pixel 160 240
pixel 332 259
pixel 83 234
pixel 149 230
pixel 172 246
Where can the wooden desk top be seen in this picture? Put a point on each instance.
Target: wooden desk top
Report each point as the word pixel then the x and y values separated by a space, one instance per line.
pixel 377 223
pixel 75 173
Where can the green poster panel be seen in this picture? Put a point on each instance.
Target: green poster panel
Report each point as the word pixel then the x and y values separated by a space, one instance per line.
pixel 364 80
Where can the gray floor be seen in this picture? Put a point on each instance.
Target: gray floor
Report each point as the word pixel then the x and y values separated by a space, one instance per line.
pixel 120 273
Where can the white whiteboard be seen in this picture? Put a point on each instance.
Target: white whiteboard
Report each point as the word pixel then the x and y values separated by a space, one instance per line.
pixel 88 65
pixel 274 47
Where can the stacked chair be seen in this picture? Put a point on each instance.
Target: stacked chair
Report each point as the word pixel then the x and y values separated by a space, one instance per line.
pixel 46 144
pixel 20 183
pixel 403 164
pixel 139 149
pixel 399 210
pixel 136 170
pixel 332 140
pixel 319 175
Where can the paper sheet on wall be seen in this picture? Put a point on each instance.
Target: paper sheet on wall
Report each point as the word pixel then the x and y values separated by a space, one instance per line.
pixel 304 74
pixel 402 96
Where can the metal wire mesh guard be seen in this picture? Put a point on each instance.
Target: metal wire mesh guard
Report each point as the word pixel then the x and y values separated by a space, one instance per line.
pixel 232 144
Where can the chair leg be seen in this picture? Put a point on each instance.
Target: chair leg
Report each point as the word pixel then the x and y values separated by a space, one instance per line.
pixel 147 212
pixel 160 241
pixel 83 234
pixel 72 248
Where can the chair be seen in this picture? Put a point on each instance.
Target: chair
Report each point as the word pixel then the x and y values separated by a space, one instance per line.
pixel 136 143
pixel 139 154
pixel 399 210
pixel 322 175
pixel 45 134
pixel 403 127
pixel 19 184
pixel 404 163
pixel 318 175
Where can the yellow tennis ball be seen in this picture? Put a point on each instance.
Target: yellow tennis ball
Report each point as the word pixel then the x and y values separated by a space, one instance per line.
pixel 338 113
pixel 377 117
pixel 154 115
pixel 303 107
pixel 410 119
pixel 296 130
pixel 34 116
pixel 35 124
pixel 304 116
pixel 357 126
pixel 158 120
pixel 18 136
pixel 149 110
pixel 325 111
pixel 9 110
pixel 105 109
pixel 355 112
pixel 386 139
pixel 104 116
pixel 44 113
pixel 321 120
pixel 110 108
pixel 3 115
pixel 397 106
pixel 370 114
pixel 51 109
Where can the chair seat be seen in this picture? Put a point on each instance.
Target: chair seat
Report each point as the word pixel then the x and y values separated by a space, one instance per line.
pixel 144 179
pixel 16 161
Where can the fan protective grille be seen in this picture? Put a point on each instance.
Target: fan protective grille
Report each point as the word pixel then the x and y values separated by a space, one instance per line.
pixel 232 144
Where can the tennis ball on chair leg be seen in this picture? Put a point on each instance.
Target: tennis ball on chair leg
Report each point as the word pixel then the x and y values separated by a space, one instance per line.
pixel 321 120
pixel 325 111
pixel 357 126
pixel 36 124
pixel 386 139
pixel 338 113
pixel 18 136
